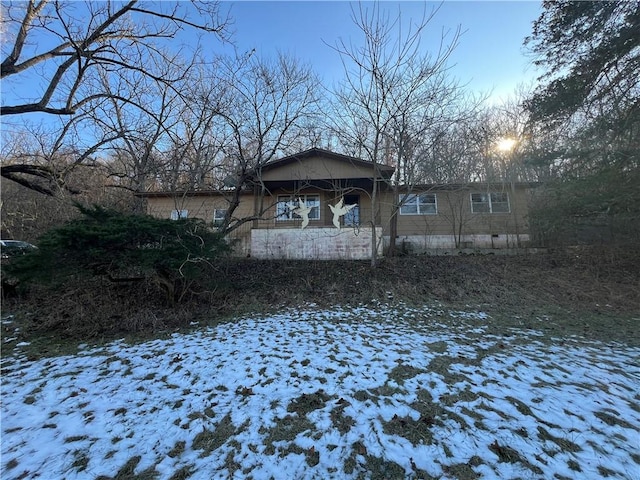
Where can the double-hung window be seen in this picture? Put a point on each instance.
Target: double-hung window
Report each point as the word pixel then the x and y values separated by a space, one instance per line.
pixel 178 214
pixel 418 204
pixel 288 203
pixel 494 202
pixel 218 216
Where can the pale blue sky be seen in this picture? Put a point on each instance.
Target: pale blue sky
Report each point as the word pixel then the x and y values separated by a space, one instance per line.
pixel 490 55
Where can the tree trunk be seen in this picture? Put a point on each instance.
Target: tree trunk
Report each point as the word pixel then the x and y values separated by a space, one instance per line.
pixel 374 239
pixel 393 233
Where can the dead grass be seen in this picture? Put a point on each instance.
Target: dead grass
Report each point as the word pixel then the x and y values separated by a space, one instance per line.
pixel 285 430
pixel 342 422
pixel 127 472
pixel 371 467
pixel 210 440
pixel 611 420
pixel 308 402
pixel 418 432
pixel 592 292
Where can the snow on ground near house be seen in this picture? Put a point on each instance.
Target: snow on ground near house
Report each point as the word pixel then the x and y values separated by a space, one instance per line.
pixel 344 393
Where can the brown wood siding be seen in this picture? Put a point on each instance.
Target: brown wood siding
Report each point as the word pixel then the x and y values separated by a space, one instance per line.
pixel 454 208
pixel 448 202
pixel 317 168
pixel 197 206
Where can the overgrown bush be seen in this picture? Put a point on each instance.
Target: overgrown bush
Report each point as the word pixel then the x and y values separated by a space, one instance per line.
pixel 123 248
pixel 597 209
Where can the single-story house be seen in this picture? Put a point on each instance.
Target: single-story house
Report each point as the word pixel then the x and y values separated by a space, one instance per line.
pixel 317 204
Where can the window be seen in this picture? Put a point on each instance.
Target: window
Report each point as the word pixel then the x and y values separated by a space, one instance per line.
pixel 177 214
pixel 418 204
pixel 288 203
pixel 218 216
pixel 497 202
pixel 352 217
pixel 480 203
pixel 500 202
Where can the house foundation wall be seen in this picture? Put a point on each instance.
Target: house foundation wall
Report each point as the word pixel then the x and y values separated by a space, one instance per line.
pixel 426 243
pixel 313 243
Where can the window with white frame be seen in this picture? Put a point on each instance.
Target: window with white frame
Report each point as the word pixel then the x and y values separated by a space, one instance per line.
pixel 492 202
pixel 288 203
pixel 418 204
pixel 218 216
pixel 178 214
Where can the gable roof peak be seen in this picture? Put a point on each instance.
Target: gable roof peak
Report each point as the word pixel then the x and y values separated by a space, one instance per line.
pixel 320 152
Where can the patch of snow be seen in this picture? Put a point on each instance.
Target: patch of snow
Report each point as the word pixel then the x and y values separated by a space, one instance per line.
pixel 556 406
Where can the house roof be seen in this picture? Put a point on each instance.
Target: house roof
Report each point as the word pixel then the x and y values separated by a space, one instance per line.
pixel 385 170
pixel 184 193
pixel 321 168
pixel 355 166
pixel 468 186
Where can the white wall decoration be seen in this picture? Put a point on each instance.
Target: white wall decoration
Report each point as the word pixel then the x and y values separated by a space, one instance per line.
pixel 339 210
pixel 303 211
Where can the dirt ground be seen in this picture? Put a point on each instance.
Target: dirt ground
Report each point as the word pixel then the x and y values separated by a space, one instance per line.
pixel 594 293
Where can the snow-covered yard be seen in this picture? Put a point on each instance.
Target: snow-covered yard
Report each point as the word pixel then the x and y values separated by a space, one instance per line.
pixel 328 394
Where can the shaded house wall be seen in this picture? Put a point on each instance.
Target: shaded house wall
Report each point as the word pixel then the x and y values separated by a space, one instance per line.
pixel 452 223
pixel 203 205
pixel 448 219
pixel 272 237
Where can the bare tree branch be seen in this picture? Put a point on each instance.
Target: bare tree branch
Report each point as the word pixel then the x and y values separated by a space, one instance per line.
pixel 104 34
pixel 96 45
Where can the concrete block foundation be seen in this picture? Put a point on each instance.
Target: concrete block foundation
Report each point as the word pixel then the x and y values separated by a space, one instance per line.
pixel 314 243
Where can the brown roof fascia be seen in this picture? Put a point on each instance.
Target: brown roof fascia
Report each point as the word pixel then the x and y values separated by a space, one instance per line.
pixel 186 193
pixel 466 186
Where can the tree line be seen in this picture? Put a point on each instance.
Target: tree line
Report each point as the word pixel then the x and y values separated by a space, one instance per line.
pixel 134 113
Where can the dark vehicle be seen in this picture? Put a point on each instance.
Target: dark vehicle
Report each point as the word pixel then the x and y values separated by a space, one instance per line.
pixel 13 248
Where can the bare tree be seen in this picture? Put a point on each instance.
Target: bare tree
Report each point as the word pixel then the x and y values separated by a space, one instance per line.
pixel 32 153
pixel 263 108
pixel 508 144
pixel 89 46
pixel 27 214
pixel 101 37
pixel 135 159
pixel 449 158
pixel 392 93
pixel 198 143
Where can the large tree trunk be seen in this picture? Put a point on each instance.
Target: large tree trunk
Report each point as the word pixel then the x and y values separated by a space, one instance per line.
pixel 374 207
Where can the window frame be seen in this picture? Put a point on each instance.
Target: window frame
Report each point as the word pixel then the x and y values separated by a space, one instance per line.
pixel 292 217
pixel 418 203
pixel 179 214
pixel 507 202
pixel 220 220
pixel 490 202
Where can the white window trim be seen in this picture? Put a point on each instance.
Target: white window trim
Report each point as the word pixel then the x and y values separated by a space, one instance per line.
pixel 489 194
pixel 179 214
pixel 293 199
pixel 417 195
